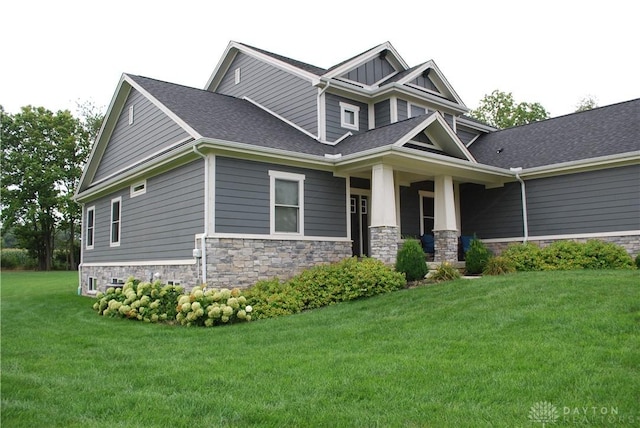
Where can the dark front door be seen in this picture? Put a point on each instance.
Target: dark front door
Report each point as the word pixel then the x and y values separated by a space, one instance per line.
pixel 360 225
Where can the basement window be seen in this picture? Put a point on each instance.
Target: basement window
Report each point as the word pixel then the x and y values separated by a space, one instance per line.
pixel 139 188
pixel 174 282
pixel 92 284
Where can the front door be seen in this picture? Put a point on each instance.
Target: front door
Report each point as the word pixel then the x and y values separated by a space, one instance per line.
pixel 360 225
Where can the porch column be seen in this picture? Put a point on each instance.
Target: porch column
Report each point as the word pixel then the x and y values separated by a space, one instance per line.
pixel 445 229
pixel 383 232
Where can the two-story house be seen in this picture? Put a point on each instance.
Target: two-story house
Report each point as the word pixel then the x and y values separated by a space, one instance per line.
pixel 277 165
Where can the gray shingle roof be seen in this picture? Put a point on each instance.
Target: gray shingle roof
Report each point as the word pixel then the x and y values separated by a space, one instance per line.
pixel 603 131
pixel 228 118
pixel 319 71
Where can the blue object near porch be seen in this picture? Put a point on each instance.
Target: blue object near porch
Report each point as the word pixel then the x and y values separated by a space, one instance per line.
pixel 428 243
pixel 465 243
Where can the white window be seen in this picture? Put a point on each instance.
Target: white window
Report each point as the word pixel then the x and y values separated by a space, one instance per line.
pixel 416 110
pixel 91 223
pixel 92 284
pixel 349 116
pixel 116 221
pixel 237 75
pixel 139 188
pixel 130 115
pixel 287 202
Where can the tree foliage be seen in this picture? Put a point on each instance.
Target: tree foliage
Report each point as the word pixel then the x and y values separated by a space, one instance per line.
pixel 42 158
pixel 587 103
pixel 500 110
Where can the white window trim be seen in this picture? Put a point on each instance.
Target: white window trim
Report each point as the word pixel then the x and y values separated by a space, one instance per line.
pixel 130 115
pixel 280 175
pixel 111 243
pixel 141 187
pixel 92 280
pixel 345 107
pixel 410 104
pixel 93 229
pixel 425 194
pixel 237 75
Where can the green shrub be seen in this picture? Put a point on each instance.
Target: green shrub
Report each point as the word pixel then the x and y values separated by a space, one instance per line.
pixel 499 266
pixel 476 257
pixel 445 272
pixel 525 257
pixel 563 255
pixel 605 255
pixel 142 301
pixel 323 285
pixel 411 260
pixel 273 298
pixel 210 307
pixel 16 258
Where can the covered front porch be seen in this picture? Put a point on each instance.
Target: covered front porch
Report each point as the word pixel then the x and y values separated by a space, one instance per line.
pixel 401 194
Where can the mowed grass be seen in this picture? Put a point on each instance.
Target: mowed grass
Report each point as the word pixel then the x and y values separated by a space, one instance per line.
pixel 467 353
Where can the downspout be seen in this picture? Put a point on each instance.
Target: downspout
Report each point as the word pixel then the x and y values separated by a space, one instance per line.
pixel 525 222
pixel 82 246
pixel 320 108
pixel 203 240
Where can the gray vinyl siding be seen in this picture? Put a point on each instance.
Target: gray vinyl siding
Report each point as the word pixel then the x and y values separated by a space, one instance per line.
pixel 382 113
pixel 242 199
pixel 370 72
pixel 465 134
pixel 151 131
pixel 285 94
pixel 425 82
pixel 334 130
pixel 589 202
pixel 158 225
pixel 402 110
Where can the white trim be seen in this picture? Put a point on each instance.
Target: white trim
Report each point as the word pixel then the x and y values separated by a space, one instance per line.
pixel 278 237
pixel 180 262
pixel 93 228
pixel 349 108
pixel 412 104
pixel 273 113
pixel 138 188
pixel 113 243
pixel 285 176
pixel 130 115
pixel 393 109
pixel 426 194
pixel 372 116
pixel 237 75
pixel 566 236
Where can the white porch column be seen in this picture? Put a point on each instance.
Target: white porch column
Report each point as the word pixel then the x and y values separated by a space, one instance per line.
pixel 383 196
pixel 383 232
pixel 445 221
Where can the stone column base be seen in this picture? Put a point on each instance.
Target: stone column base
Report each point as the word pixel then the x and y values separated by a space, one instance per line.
pixel 446 246
pixel 383 243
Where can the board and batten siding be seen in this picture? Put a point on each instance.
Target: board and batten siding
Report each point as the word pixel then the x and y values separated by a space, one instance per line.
pixel 382 112
pixel 589 202
pixel 151 132
pixel 371 71
pixel 160 224
pixel 334 130
pixel 283 93
pixel 242 199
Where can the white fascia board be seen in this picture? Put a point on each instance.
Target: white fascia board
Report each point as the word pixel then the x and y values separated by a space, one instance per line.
pixel 232 50
pixel 583 165
pixel 363 58
pixel 104 134
pixel 475 125
pixel 189 130
pixel 432 65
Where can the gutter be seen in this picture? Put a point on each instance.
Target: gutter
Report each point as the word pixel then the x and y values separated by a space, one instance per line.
pixel 203 248
pixel 525 222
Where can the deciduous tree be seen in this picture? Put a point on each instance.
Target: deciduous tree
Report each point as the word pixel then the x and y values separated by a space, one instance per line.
pixel 500 110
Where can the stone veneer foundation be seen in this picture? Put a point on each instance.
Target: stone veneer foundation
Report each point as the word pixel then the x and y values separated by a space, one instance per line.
pixel 383 243
pixel 446 246
pixel 237 262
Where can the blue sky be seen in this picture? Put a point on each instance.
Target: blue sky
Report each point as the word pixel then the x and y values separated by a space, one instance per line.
pixel 56 53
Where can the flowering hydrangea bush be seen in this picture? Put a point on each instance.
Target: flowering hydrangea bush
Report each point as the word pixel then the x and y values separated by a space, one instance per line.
pixel 209 307
pixel 143 301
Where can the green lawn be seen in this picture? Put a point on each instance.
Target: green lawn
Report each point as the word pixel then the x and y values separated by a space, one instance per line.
pixel 468 353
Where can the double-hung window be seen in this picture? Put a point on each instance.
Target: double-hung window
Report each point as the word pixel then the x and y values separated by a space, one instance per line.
pixel 91 223
pixel 116 221
pixel 287 202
